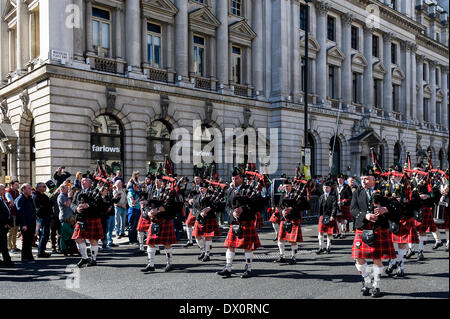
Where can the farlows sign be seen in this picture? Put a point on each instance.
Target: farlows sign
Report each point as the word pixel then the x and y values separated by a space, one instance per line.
pixel 105 147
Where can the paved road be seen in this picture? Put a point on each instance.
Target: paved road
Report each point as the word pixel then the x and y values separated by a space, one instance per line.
pixel 119 275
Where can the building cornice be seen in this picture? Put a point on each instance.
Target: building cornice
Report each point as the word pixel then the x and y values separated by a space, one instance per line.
pixel 432 45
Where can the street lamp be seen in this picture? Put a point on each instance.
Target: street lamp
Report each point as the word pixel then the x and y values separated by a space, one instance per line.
pixel 305 138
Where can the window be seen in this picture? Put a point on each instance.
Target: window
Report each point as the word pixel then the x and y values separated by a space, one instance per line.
pixel 199 56
pixel 394 4
pixel 438 113
pixel 355 88
pixel 425 71
pixel 200 1
pixel 375 46
pixel 158 144
pixel 438 37
pixel 35 33
pixel 332 82
pixel 397 153
pixel 355 38
pixel 101 31
pixel 394 53
pixel 303 16
pixel 425 110
pixel 154 45
pixel 236 65
pixel 395 100
pixel 303 75
pixel 438 76
pixel 335 155
pixel 331 34
pixel 377 93
pixel 236 6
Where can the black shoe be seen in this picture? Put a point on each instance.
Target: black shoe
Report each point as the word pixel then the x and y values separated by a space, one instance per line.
pixel 92 263
pixel 343 236
pixel 275 239
pixel 113 245
pixel 158 252
pixel 376 292
pixel 43 255
pixel 437 245
pixel 365 290
pixel 292 261
pixel 390 268
pixel 400 273
pixel 224 273
pixel 335 236
pixel 168 268
pixel 140 253
pixel 409 254
pixel 188 245
pixel 202 255
pixel 420 256
pixel 83 262
pixel 320 251
pixel 328 251
pixel 280 260
pixel 8 263
pixel 148 268
pixel 246 274
pixel 206 258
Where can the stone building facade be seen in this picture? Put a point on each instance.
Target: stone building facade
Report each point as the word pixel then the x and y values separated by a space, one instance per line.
pixel 76 75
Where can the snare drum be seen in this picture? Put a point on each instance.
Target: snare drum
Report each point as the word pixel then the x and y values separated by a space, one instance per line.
pixel 439 211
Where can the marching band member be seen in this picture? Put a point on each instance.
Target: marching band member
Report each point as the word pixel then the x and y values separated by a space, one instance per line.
pixel 190 220
pixel 327 220
pixel 344 198
pixel 372 213
pixel 444 204
pixel 242 233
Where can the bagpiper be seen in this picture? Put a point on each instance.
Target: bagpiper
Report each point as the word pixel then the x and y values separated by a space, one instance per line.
pixel 190 220
pixel 344 198
pixel 327 221
pixel 443 205
pixel 242 233
pixel 372 213
pixel 206 225
pixel 292 205
pixel 405 231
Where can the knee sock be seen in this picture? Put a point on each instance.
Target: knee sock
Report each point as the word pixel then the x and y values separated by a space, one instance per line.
pixel 422 241
pixel 446 235
pixel 328 241
pixel 321 238
pixel 400 258
pixel 208 245
pixel 94 251
pixel 83 250
pixel 151 255
pixel 294 250
pixel 377 271
pixel 189 234
pixel 276 227
pixel 436 237
pixel 169 255
pixel 141 240
pixel 281 247
pixel 411 246
pixel 229 257
pixel 362 269
pixel 201 243
pixel 248 261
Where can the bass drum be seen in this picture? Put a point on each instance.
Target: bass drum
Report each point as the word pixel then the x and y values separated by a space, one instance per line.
pixel 439 211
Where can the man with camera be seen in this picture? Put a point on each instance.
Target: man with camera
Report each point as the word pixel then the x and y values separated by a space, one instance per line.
pixel 89 225
pixel 372 213
pixel 61 175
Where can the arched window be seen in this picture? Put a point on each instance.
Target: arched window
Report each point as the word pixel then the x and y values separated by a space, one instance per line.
pixel 158 145
pixel 397 153
pixel 335 157
pixel 206 152
pixel 442 158
pixel 107 144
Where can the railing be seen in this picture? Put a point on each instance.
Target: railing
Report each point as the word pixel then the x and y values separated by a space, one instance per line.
pixel 359 108
pixel 397 116
pixel 202 83
pixel 335 103
pixel 241 90
pixel 105 65
pixel 157 75
pixel 378 112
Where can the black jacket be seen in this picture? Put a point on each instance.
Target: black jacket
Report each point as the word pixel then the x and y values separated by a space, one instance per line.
pixel 329 206
pixel 360 206
pixel 43 205
pixel 235 199
pixel 5 216
pixel 61 178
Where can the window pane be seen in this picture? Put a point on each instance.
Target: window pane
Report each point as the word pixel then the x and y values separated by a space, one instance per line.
pixel 105 35
pixel 99 13
pixel 201 53
pixel 149 49
pixel 153 28
pixel 157 46
pixel 96 32
pixel 199 40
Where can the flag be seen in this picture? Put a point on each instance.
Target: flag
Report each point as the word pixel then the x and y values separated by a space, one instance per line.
pixel 168 167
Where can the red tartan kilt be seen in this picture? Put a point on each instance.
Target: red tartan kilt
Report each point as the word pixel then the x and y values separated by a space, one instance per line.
pixel 331 228
pixel 407 233
pixel 94 230
pixel 210 229
pixel 143 225
pixel 259 224
pixel 276 216
pixel 249 240
pixel 427 224
pixel 381 249
pixel 166 235
pixel 346 215
pixel 294 236
pixel 444 225
pixel 190 221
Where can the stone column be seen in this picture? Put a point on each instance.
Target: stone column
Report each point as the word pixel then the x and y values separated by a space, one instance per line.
pixel 169 56
pixel 144 48
pixel 78 34
pixel 191 52
pixel 133 35
pixel 413 81
pixel 405 88
pixel 368 72
pixel 295 52
pixel 89 35
pixel 4 51
pixel 432 80
pixel 119 30
pixel 347 64
pixel 257 47
pixel 444 87
pixel 321 75
pixel 182 40
pixel 420 115
pixel 222 43
pixel 22 35
pixel 387 83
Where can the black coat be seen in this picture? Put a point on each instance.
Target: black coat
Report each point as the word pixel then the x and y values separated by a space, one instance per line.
pixel 345 193
pixel 329 206
pixel 360 206
pixel 5 216
pixel 200 204
pixel 237 199
pixel 297 206
pixel 43 205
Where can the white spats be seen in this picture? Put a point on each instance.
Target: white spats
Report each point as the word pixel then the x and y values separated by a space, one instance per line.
pixel 362 269
pixel 229 257
pixel 94 251
pixel 83 250
pixel 189 234
pixel 151 251
pixel 248 260
pixel 422 241
pixel 141 240
pixel 377 271
pixel 169 255
pixel 321 239
pixel 294 250
pixel 200 243
pixel 281 247
pixel 208 246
